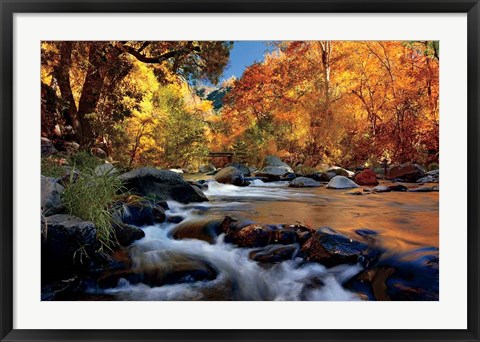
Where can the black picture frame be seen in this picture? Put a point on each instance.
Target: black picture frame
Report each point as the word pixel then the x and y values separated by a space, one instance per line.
pixel 10 7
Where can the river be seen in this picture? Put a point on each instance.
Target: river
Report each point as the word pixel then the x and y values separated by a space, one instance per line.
pixel 406 226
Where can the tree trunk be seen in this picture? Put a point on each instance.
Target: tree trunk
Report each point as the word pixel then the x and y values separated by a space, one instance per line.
pixel 62 75
pixel 92 89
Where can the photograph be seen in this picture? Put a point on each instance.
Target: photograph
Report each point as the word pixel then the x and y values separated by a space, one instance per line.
pixel 243 170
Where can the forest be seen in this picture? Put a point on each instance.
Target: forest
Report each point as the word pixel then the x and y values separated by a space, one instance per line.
pixel 165 104
pixel 240 171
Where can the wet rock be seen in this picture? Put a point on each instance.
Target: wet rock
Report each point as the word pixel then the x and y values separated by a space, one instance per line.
pixel 51 196
pixel 69 242
pixel 205 229
pixel 253 235
pixel 230 175
pixel 366 232
pixel 105 169
pixel 126 234
pixel 381 188
pixel 320 176
pixel 162 185
pixel 175 219
pixel 341 182
pixel 355 193
pixel 398 187
pixel 366 177
pixel 303 182
pixel 288 177
pixel 163 268
pixel 406 172
pixel 274 253
pixel 47 148
pixel 141 213
pixel 207 168
pixel 331 248
pixel 242 168
pixel 424 189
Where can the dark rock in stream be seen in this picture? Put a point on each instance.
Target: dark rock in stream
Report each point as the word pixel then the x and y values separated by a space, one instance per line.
pixel 398 187
pixel 331 248
pixel 126 233
pixel 320 176
pixel 274 253
pixel 366 177
pixel 206 230
pixel 304 182
pixel 162 185
pixel 141 213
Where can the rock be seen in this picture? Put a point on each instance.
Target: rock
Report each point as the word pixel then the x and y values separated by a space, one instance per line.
pixel 126 233
pixel 366 177
pixel 430 177
pixel 398 187
pixel 425 189
pixel 339 171
pixel 406 172
pixel 70 147
pixel 242 168
pixel 213 173
pixel 175 219
pixel 341 182
pixel 274 171
pixel 274 253
pixel 331 248
pixel 274 161
pixel 205 229
pixel 161 184
pixel 303 182
pixel 51 192
pixel 207 168
pixel 98 152
pixel 364 232
pixel 320 176
pixel 47 148
pixel 141 213
pixel 330 175
pixel 256 235
pixel 381 188
pixel 288 177
pixel 355 193
pixel 165 267
pixel 230 175
pixel 70 241
pixel 105 169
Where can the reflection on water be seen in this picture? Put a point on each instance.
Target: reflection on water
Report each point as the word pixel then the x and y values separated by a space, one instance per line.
pixel 401 228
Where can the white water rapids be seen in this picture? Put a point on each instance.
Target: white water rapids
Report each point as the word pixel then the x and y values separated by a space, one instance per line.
pixel 238 277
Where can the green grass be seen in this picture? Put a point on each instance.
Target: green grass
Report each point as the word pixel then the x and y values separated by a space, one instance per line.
pixel 92 198
pixel 84 161
pixel 52 168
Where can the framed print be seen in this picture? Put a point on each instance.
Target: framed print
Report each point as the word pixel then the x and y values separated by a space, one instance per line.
pixel 239 170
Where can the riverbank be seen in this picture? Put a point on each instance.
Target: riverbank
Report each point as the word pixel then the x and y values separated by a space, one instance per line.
pixel 265 240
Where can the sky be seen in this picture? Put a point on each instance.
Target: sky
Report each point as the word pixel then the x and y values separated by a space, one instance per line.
pixel 243 54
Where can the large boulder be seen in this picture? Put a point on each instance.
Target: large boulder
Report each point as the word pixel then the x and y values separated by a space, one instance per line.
pixel 205 229
pixel 231 175
pixel 51 196
pixel 341 182
pixel 274 167
pixel 69 241
pixel 331 248
pixel 47 148
pixel 161 184
pixel 105 169
pixel 366 177
pixel 406 172
pixel 242 168
pixel 304 182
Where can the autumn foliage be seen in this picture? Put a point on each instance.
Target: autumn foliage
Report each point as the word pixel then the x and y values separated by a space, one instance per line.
pixel 345 103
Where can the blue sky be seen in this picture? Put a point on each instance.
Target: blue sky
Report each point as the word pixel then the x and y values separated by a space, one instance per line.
pixel 243 54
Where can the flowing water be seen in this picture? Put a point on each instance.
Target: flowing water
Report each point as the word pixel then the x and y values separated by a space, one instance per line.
pixel 407 232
